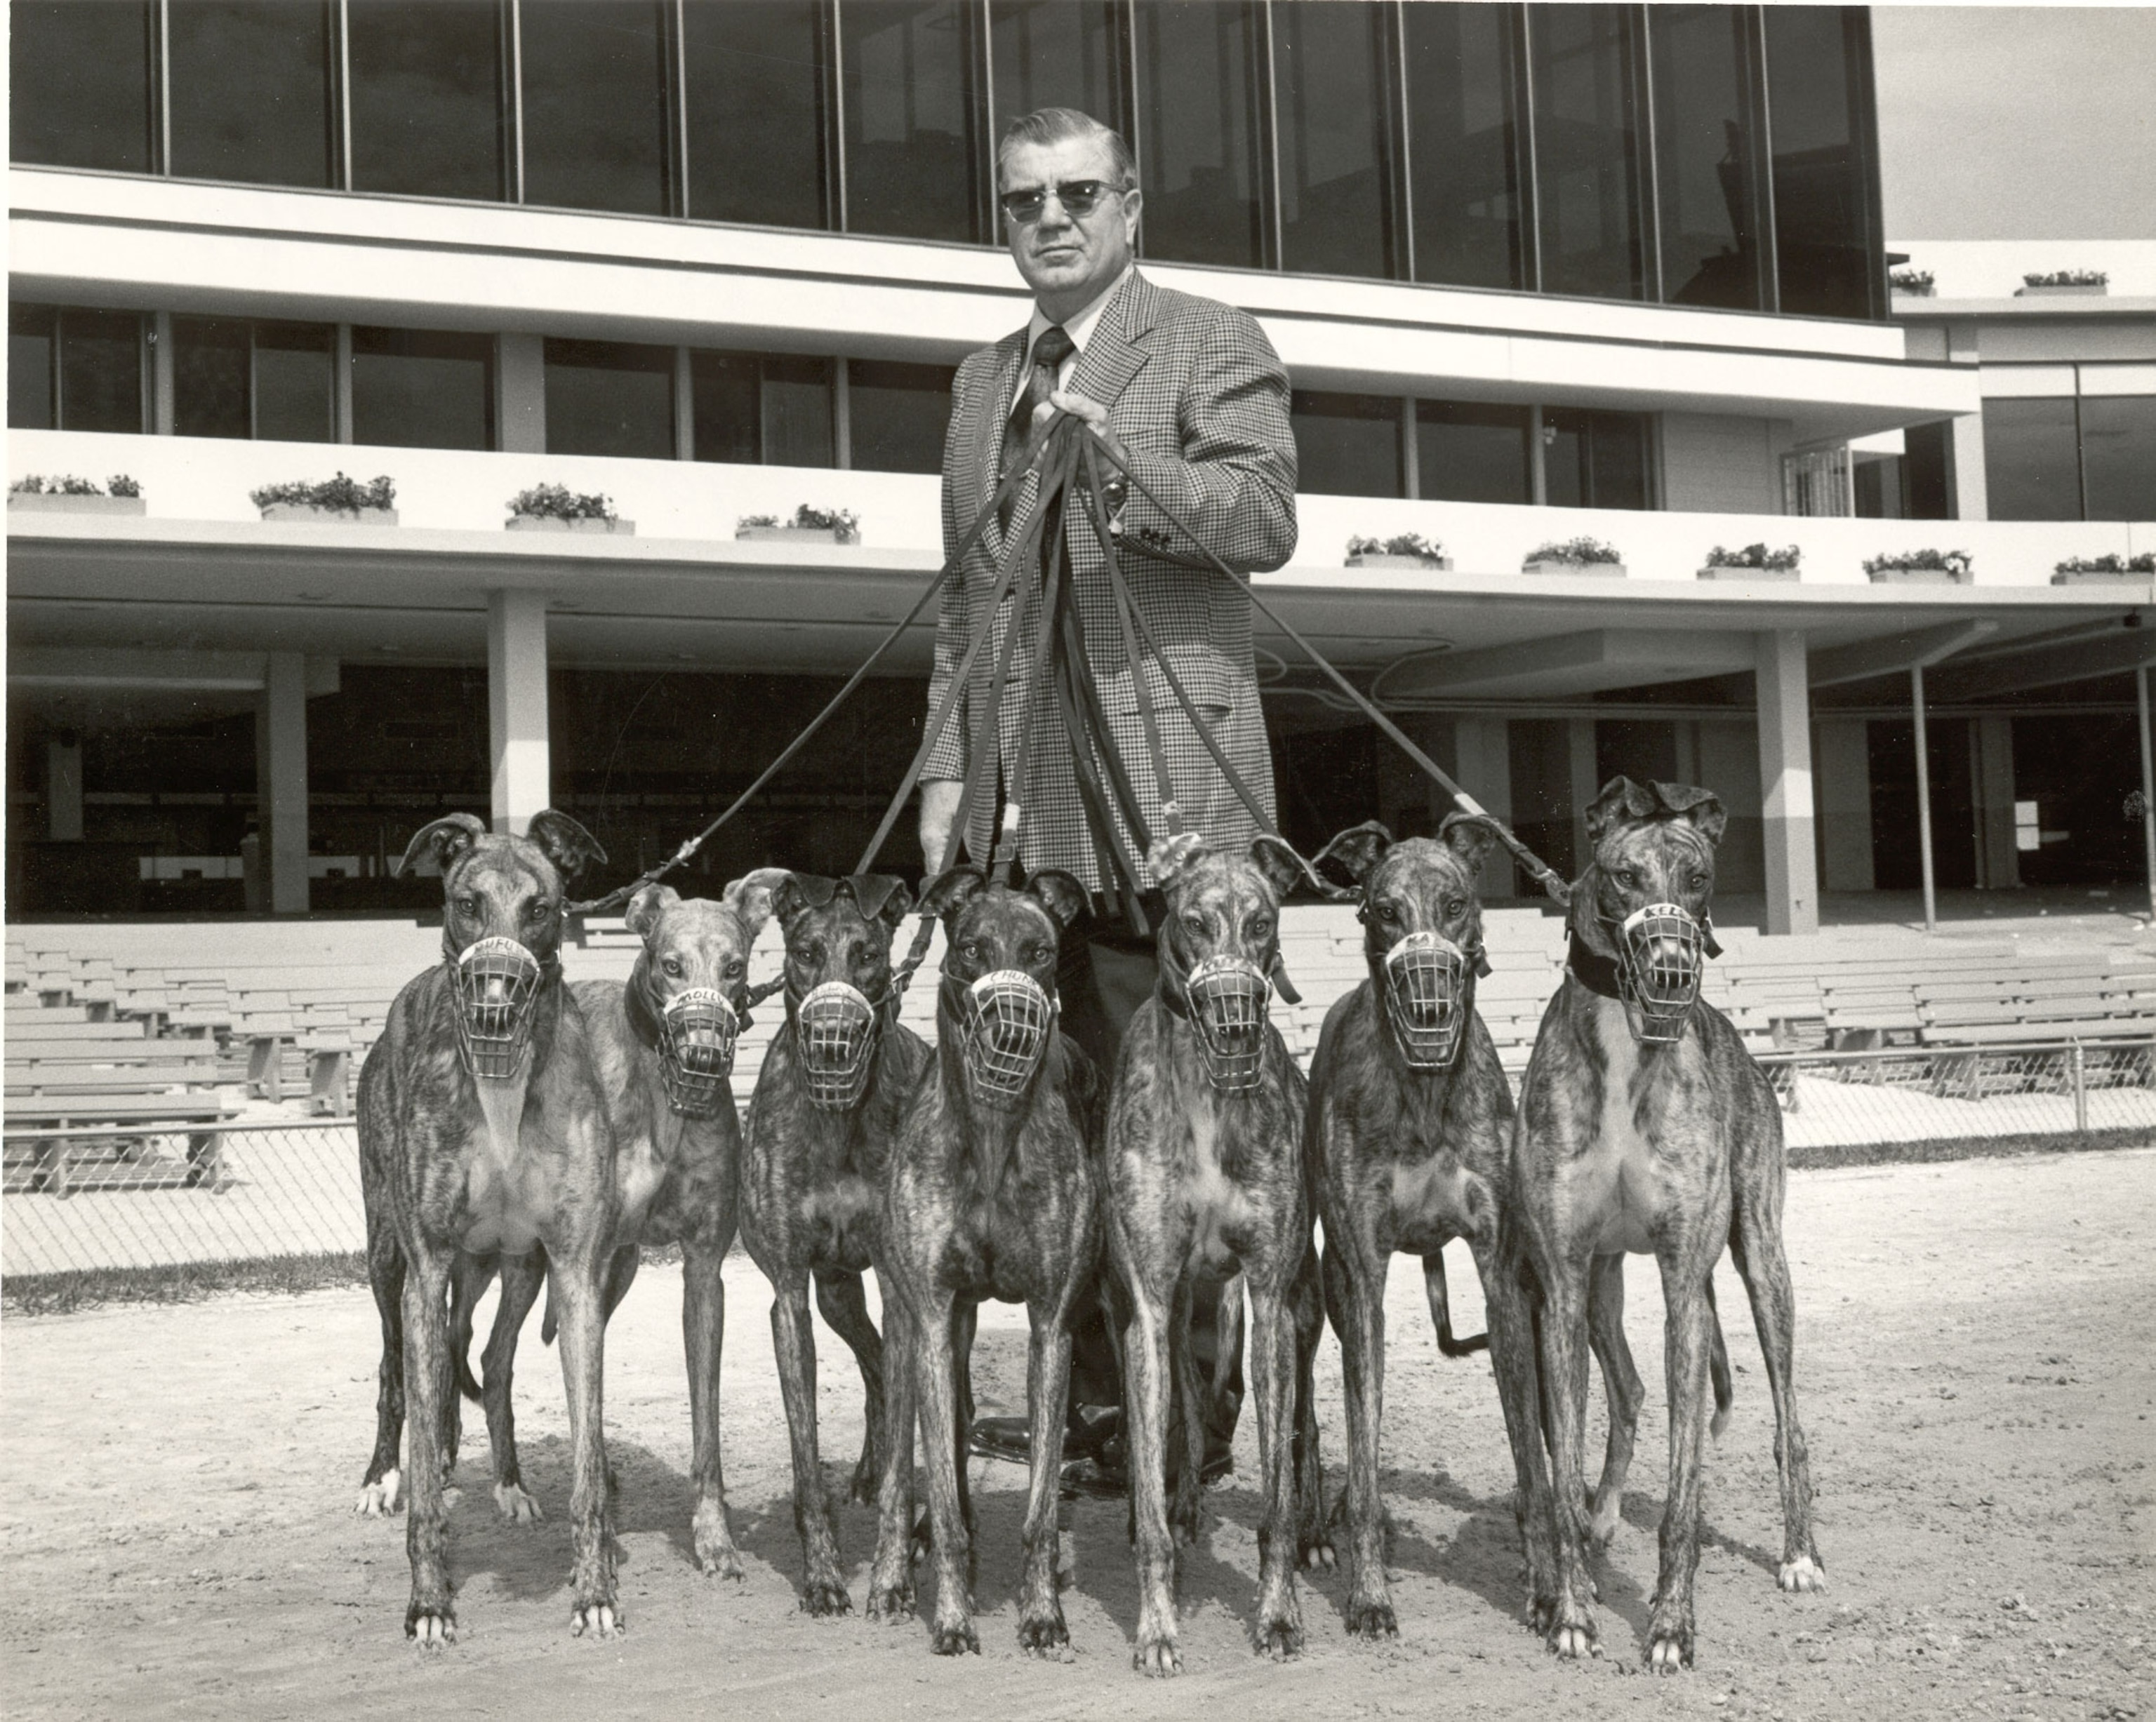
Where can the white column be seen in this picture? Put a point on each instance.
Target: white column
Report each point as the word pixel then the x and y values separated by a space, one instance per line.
pixel 520 393
pixel 1844 803
pixel 516 706
pixel 1482 746
pixel 1579 762
pixel 1971 496
pixel 280 781
pixel 1991 756
pixel 1785 783
pixel 64 787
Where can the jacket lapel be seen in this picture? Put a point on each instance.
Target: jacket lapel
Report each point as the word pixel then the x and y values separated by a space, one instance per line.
pixel 988 434
pixel 1118 350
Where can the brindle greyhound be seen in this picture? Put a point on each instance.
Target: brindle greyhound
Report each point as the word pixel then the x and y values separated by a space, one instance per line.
pixel 483 1127
pixel 827 1108
pixel 1206 1181
pixel 992 1192
pixel 1645 1127
pixel 1410 1143
pixel 663 1044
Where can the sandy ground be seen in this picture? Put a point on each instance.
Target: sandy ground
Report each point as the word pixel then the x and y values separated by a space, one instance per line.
pixel 1977 1363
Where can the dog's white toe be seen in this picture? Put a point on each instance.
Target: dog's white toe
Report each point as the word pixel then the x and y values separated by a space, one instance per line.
pixel 1802 1574
pixel 378 1500
pixel 515 1505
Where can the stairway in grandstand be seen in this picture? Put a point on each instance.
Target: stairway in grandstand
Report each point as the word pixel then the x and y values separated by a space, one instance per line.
pixel 115 1023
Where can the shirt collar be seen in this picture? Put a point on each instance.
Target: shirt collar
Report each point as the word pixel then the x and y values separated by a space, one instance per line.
pixel 1080 327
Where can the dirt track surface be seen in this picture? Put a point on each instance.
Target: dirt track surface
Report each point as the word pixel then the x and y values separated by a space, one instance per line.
pixel 1976 1364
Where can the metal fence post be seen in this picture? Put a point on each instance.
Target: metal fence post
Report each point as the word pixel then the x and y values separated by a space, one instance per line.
pixel 2079 1066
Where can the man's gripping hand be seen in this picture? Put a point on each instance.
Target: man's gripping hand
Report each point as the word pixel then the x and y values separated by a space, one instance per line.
pixel 939 812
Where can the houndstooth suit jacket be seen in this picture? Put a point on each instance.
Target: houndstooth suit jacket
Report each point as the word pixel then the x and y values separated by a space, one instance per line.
pixel 1199 398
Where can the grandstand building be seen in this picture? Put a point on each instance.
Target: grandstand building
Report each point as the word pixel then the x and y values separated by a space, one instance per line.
pixel 1538 273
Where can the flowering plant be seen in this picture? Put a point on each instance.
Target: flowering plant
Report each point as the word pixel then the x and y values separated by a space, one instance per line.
pixel 558 502
pixel 2067 278
pixel 1755 556
pixel 1577 551
pixel 1403 544
pixel 1921 562
pixel 338 495
pixel 2110 563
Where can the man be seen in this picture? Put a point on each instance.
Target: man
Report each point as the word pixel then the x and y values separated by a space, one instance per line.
pixel 1191 394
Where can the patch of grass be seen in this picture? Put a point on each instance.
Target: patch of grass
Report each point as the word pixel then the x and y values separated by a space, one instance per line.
pixel 86 1288
pixel 1943 1148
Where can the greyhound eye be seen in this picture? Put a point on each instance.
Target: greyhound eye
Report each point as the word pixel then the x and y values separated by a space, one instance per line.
pixel 734 969
pixel 1261 929
pixel 1387 913
pixel 534 910
pixel 1193 923
pixel 1699 882
pixel 468 905
pixel 672 966
pixel 1628 878
pixel 1455 907
pixel 971 950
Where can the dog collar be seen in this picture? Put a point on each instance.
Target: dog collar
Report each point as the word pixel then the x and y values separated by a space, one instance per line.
pixel 1594 971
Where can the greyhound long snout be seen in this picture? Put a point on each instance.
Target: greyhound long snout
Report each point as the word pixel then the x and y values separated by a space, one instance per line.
pixel 1660 953
pixel 497 982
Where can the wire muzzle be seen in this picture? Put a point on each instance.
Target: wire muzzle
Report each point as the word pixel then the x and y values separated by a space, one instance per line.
pixel 836 1030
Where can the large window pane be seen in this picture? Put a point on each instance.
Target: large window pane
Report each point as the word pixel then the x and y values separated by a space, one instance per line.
pixel 1928 470
pixel 1587 150
pixel 1463 149
pixel 2118 452
pixel 1199 95
pixel 1817 71
pixel 100 371
pixel 1704 156
pixel 1466 451
pixel 2031 462
pixel 1057 54
pixel 426 97
pixel 594 104
pixel 772 407
pixel 607 397
pixel 250 90
pixel 898 414
pixel 30 336
pixel 414 388
pixel 295 398
pixel 1347 445
pixel 78 83
pixel 210 382
pixel 756 111
pixel 1595 459
pixel 914 156
pixel 1334 102
pixel 798 425
pixel 723 407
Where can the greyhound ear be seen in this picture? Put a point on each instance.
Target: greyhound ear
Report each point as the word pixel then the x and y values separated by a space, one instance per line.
pixel 1060 893
pixel 646 906
pixel 1282 867
pixel 786 899
pixel 947 892
pixel 1357 849
pixel 1621 798
pixel 1172 857
pixel 441 843
pixel 566 843
pixel 1701 808
pixel 881 897
pixel 1470 836
pixel 752 895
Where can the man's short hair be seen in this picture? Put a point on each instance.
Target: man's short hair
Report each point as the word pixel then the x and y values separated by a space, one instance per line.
pixel 1051 125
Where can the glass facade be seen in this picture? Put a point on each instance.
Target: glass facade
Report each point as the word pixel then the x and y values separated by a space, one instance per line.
pixel 1467 451
pixel 273 380
pixel 1058 53
pixel 897 414
pixel 249 84
pixel 1347 445
pixel 1595 459
pixel 768 408
pixel 31 339
pixel 595 105
pixel 1705 166
pixel 1587 153
pixel 755 112
pixel 2031 459
pixel 915 166
pixel 1199 97
pixel 609 397
pixel 1827 231
pixel 426 97
pixel 1463 144
pixel 1331 95
pixel 2118 456
pixel 71 369
pixel 78 84
pixel 413 388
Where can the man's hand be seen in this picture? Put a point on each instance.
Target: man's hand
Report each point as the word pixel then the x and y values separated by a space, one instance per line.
pixel 939 812
pixel 1114 486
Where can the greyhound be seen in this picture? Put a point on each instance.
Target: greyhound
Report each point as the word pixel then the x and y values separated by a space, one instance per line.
pixel 827 1108
pixel 664 1045
pixel 993 1191
pixel 1645 1127
pixel 483 1128
pixel 1205 1180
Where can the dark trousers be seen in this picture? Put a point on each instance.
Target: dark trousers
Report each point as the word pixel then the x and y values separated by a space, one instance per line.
pixel 1105 973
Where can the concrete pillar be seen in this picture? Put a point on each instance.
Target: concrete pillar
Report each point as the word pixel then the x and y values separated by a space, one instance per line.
pixel 280 781
pixel 516 706
pixel 1585 780
pixel 1970 497
pixel 520 393
pixel 1844 803
pixel 163 414
pixel 1483 750
pixel 1991 774
pixel 64 787
pixel 1785 782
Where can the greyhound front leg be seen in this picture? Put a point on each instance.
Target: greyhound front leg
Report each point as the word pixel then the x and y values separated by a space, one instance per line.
pixel 1686 1343
pixel 703 1340
pixel 1041 1626
pixel 1188 1514
pixel 845 1307
pixel 379 1488
pixel 430 1618
pixel 521 1278
pixel 1272 1379
pixel 1146 1360
pixel 1358 1312
pixel 935 1381
pixel 890 1576
pixel 1757 1245
pixel 1511 1318
pixel 1571 1631
pixel 577 1293
pixel 823 1590
pixel 1313 1536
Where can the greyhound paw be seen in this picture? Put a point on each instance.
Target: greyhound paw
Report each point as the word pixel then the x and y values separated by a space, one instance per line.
pixel 378 1500
pixel 601 1619
pixel 1669 1650
pixel 1156 1656
pixel 430 1629
pixel 514 1505
pixel 825 1598
pixel 1280 1638
pixel 1371 1617
pixel 1572 1638
pixel 1046 1636
pixel 1804 1573
pixel 956 1638
pixel 1314 1549
pixel 715 1553
pixel 891 1602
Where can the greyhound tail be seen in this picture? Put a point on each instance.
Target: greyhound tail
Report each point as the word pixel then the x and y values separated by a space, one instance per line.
pixel 468 1284
pixel 547 1324
pixel 1440 1310
pixel 1725 1391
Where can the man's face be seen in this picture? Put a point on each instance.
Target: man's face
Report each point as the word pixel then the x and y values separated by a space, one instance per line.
pixel 1065 257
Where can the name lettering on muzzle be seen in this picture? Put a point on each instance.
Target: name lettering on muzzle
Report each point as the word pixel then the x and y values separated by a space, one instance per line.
pixel 1660 952
pixel 696 1033
pixel 1006 1017
pixel 497 984
pixel 834 1034
pixel 1229 997
pixel 1425 994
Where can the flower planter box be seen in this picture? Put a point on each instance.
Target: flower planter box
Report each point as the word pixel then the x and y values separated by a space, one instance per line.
pixel 1600 570
pixel 1931 292
pixel 795 534
pixel 49 502
pixel 1736 570
pixel 2087 290
pixel 330 516
pixel 1920 576
pixel 1384 558
pixel 2102 576
pixel 554 523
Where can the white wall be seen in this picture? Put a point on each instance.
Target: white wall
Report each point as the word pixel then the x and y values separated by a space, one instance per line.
pixel 1721 463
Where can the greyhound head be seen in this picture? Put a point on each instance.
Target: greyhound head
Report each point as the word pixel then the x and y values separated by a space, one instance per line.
pixel 689 992
pixel 1219 946
pixel 997 1003
pixel 1645 897
pixel 502 924
pixel 1422 929
pixel 837 975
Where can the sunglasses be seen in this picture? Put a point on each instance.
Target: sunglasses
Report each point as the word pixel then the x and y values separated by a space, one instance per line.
pixel 1078 196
